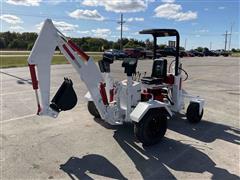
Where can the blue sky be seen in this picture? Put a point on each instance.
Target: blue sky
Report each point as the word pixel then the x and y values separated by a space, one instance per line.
pixel 200 22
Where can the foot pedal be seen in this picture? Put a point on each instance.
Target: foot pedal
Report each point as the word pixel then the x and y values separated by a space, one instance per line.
pixel 65 98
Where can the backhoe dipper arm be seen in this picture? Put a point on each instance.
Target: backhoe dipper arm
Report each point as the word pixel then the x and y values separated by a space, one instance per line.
pixel 41 55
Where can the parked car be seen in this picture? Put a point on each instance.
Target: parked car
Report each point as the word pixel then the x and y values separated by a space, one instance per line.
pixel 117 54
pixel 183 54
pixel 168 51
pixel 132 52
pixel 225 53
pixel 142 52
pixel 210 53
pixel 222 52
pixel 190 54
pixel 196 53
pixel 149 54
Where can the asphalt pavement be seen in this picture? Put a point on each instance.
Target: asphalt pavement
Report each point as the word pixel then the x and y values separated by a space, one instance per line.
pixel 77 146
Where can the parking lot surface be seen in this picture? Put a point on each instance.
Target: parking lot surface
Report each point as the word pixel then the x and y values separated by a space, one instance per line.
pixel 77 146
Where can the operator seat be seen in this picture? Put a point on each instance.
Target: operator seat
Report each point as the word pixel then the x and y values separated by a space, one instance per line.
pixel 159 72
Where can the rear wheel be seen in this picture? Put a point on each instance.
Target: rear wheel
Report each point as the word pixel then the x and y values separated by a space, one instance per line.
pixel 192 114
pixel 152 127
pixel 93 110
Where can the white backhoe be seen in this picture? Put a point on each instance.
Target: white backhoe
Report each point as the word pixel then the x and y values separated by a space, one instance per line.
pixel 148 102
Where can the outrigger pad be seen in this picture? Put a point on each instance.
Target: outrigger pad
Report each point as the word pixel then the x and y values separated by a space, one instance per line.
pixel 65 98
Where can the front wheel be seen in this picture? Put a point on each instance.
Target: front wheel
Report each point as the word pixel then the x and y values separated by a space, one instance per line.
pixel 152 127
pixel 92 109
pixel 192 114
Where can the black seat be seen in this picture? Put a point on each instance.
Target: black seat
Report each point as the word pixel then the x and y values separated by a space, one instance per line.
pixel 159 72
pixel 104 64
pixel 130 65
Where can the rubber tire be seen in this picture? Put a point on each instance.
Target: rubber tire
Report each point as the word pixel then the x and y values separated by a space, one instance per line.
pixel 143 129
pixel 93 110
pixel 192 114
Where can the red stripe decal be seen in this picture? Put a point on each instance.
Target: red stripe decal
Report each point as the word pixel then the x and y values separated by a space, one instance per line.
pixel 69 52
pixel 111 94
pixel 78 50
pixel 33 76
pixel 103 94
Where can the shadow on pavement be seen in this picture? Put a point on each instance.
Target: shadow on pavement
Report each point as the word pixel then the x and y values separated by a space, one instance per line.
pixel 154 162
pixel 204 131
pixel 91 163
pixel 19 79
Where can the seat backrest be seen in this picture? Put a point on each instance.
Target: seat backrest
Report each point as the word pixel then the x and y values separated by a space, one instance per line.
pixel 130 65
pixel 159 69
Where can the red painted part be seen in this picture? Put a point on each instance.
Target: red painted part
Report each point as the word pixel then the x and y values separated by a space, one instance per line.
pixel 169 79
pixel 69 52
pixel 145 96
pixel 159 97
pixel 33 76
pixel 78 50
pixel 111 94
pixel 103 94
pixel 157 94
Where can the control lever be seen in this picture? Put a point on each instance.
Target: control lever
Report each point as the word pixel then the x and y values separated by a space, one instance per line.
pixel 134 76
pixel 145 74
pixel 139 77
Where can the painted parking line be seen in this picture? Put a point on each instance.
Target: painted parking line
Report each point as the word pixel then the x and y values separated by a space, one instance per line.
pixel 18 118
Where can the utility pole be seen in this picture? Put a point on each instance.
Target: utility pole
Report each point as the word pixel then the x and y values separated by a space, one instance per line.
pixel 225 46
pixel 230 37
pixel 121 22
pixel 210 46
pixel 185 44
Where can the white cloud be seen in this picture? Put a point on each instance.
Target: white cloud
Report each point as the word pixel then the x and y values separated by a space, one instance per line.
pixel 168 1
pixel 194 23
pixel 11 19
pixel 54 2
pixel 83 32
pixel 139 19
pixel 86 14
pixel 24 2
pixel 135 19
pixel 221 7
pixel 136 33
pixel 203 31
pixel 174 11
pixel 91 3
pixel 119 5
pixel 125 28
pixel 101 33
pixel 114 37
pixel 16 28
pixel 61 25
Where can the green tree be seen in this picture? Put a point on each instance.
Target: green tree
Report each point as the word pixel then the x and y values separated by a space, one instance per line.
pixel 162 46
pixel 149 44
pixel 30 46
pixel 2 43
pixel 181 48
pixel 200 49
pixel 18 44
